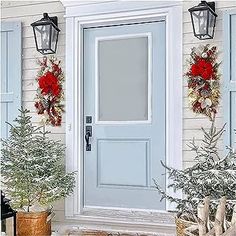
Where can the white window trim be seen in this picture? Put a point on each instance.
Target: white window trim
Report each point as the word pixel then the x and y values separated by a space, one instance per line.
pixel 80 16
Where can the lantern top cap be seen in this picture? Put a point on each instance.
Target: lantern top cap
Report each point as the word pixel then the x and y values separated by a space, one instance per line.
pixel 45 15
pixel 46 20
pixel 204 5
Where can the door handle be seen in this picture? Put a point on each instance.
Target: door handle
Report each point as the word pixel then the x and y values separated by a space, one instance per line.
pixel 88 134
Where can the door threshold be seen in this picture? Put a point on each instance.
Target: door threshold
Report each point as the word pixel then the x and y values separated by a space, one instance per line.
pixel 132 221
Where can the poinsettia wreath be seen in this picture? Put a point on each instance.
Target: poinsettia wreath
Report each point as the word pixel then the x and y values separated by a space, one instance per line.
pixel 204 80
pixel 50 94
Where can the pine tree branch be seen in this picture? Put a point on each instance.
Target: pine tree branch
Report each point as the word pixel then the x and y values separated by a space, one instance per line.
pixel 211 175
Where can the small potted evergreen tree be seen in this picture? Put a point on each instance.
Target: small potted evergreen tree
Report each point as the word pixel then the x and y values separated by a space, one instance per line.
pixel 211 176
pixel 33 175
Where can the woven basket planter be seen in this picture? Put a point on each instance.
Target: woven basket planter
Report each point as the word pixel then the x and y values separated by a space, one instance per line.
pixel 181 225
pixel 33 224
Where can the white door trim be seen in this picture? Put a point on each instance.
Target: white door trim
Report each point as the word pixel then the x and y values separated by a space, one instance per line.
pixel 86 15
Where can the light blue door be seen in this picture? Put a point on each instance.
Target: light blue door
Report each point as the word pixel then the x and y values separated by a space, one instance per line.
pixel 229 92
pixel 10 73
pixel 124 94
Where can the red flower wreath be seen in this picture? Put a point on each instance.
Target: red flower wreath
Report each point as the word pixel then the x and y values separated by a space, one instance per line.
pixel 50 93
pixel 203 81
pixel 49 84
pixel 202 68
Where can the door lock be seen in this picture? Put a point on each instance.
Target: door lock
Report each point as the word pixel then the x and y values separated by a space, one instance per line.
pixel 88 119
pixel 88 134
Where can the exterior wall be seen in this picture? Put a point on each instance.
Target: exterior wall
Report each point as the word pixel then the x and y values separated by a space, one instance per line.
pixel 191 122
pixel 27 12
pixel 30 11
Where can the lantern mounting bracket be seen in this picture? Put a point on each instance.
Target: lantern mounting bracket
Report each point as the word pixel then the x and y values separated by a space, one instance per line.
pixel 212 5
pixel 54 20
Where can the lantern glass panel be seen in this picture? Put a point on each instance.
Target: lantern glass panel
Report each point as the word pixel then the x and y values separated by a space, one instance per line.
pixel 211 26
pixel 42 34
pixel 200 22
pixel 54 36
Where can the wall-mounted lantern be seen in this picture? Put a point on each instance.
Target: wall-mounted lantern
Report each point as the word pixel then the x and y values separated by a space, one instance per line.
pixel 203 19
pixel 46 34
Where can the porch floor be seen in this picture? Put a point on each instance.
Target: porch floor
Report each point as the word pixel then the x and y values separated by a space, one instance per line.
pixel 98 233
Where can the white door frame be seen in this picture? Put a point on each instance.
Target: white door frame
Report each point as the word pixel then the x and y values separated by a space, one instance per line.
pixel 79 16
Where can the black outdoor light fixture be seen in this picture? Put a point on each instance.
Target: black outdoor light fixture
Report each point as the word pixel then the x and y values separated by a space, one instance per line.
pixel 203 20
pixel 46 34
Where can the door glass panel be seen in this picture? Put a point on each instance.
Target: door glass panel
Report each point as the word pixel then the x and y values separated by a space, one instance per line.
pixel 123 79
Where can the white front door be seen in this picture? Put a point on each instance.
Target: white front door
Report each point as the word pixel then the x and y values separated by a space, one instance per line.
pixel 124 115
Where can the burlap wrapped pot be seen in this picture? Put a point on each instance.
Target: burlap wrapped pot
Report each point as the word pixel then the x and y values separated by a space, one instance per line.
pixel 33 224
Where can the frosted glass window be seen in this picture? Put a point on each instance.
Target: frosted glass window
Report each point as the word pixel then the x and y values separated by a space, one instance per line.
pixel 123 79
